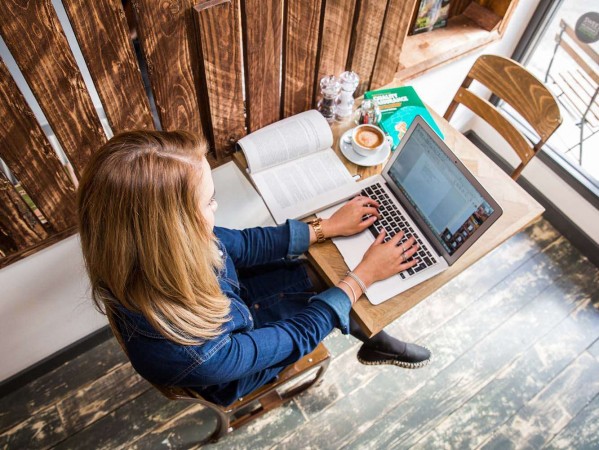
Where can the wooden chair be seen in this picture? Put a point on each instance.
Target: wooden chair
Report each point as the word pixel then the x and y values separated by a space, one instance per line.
pixel 512 83
pixel 577 87
pixel 293 380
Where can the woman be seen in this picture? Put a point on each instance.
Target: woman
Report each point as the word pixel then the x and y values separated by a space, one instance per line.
pixel 217 310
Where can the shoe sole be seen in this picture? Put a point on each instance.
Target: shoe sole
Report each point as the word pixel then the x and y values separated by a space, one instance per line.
pixel 402 364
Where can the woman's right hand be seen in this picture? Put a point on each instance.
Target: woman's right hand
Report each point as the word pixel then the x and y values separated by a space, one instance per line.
pixel 384 259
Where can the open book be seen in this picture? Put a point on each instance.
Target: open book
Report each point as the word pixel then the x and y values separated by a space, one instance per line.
pixel 294 168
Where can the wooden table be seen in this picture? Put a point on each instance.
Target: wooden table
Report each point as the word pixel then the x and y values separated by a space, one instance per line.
pixel 519 210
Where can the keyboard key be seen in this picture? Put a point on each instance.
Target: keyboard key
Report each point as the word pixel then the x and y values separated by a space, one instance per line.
pixel 394 222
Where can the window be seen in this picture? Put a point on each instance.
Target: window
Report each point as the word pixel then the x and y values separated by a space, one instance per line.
pixel 553 48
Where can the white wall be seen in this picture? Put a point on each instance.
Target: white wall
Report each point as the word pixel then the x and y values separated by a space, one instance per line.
pixel 44 306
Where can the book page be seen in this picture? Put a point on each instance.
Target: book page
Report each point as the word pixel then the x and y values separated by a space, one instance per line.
pixel 286 140
pixel 301 187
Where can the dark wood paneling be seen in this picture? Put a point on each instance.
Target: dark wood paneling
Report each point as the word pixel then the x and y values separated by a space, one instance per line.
pixel 334 45
pixel 365 40
pixel 457 7
pixel 103 36
pixel 16 232
pixel 397 21
pixel 218 26
pixel 166 34
pixel 262 26
pixel 36 40
pixel 31 159
pixel 302 21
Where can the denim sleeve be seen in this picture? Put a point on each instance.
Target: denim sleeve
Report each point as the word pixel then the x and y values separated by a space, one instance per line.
pixel 255 246
pixel 339 303
pixel 276 344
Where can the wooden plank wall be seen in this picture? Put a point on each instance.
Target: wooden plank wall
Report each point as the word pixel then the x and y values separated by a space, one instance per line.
pixel 300 35
pixel 31 159
pixel 262 22
pixel 223 69
pixel 217 25
pixel 36 40
pixel 101 30
pixel 365 40
pixel 166 34
pixel 395 29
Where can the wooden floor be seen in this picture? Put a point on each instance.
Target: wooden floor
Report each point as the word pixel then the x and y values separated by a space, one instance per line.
pixel 516 365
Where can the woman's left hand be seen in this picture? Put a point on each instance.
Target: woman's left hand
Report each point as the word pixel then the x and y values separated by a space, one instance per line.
pixel 349 219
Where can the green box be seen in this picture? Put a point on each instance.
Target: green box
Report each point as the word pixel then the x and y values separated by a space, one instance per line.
pixel 398 108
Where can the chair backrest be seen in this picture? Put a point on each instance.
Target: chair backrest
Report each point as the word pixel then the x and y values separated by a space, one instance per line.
pixel 515 85
pixel 578 51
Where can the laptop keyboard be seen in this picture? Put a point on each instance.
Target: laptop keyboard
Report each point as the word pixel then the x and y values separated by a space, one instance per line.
pixel 393 221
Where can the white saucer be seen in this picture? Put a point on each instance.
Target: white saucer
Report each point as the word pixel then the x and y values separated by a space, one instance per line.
pixel 366 161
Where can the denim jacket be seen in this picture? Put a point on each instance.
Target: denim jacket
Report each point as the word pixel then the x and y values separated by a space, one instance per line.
pixel 243 357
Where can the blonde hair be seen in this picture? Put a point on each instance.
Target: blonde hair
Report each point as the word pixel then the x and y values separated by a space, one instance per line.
pixel 145 242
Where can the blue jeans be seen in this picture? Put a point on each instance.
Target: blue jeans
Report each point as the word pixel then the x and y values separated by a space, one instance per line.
pixel 278 291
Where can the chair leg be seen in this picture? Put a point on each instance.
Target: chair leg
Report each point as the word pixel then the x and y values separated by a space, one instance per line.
pixel 223 425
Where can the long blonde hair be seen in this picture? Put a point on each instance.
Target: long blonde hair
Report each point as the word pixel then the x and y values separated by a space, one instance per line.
pixel 145 243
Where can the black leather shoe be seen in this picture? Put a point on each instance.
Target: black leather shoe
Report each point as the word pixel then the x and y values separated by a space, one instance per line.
pixel 413 357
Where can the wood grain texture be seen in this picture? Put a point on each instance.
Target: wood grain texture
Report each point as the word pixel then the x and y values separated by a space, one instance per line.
pixel 489 112
pixel 167 39
pixel 36 40
pixel 511 82
pixel 519 383
pixel 483 17
pixel 425 51
pixel 16 232
pixel 499 7
pixel 128 423
pixel 301 37
pixel 220 46
pixel 425 390
pixel 507 15
pixel 457 7
pixel 395 28
pixel 78 410
pixel 31 159
pixel 337 25
pixel 262 41
pixel 52 387
pixel 103 36
pixel 365 40
pixel 519 209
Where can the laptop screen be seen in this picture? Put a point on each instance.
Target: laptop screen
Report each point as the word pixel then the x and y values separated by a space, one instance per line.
pixel 445 199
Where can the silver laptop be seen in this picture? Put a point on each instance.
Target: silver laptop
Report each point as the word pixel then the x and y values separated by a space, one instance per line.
pixel 428 193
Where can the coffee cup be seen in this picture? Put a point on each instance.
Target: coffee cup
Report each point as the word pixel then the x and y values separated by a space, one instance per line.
pixel 367 139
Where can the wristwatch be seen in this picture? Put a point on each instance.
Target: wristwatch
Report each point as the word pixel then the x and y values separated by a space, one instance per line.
pixel 318 230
